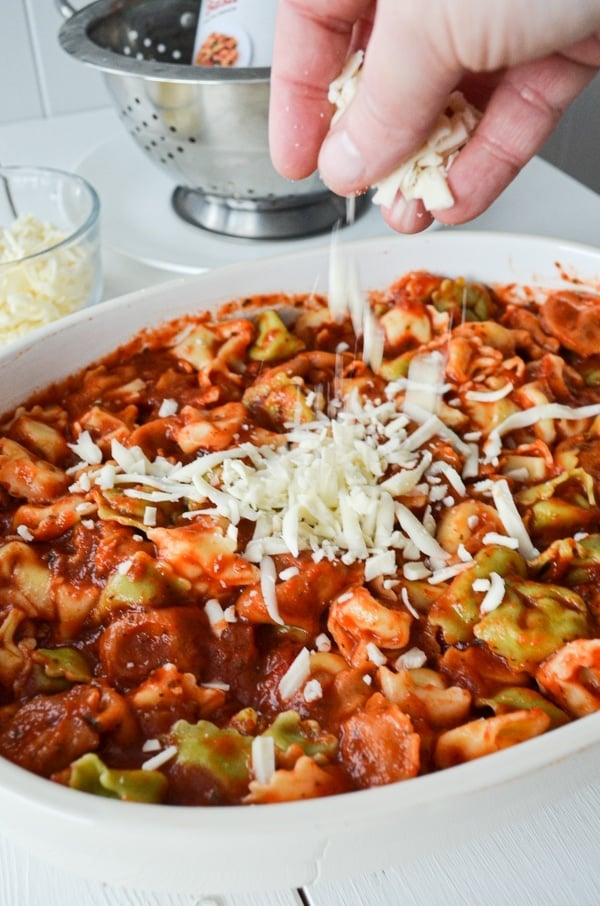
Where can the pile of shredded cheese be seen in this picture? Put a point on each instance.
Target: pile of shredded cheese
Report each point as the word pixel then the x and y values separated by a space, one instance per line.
pixel 334 488
pixel 423 175
pixel 37 286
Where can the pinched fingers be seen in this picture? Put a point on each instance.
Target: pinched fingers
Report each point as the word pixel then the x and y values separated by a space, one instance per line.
pixel 312 42
pixel 521 114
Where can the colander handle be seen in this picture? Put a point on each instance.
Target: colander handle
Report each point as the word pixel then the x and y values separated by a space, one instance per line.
pixel 65 8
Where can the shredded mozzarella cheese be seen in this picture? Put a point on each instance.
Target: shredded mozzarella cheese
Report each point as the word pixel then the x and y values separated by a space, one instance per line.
pixel 268 578
pixel 489 396
pixel 313 691
pixel 161 758
pixel 216 616
pixel 423 175
pixel 296 675
pixel 531 416
pixel 263 758
pixel 425 383
pixel 494 595
pixel 411 659
pixel 511 519
pixel 41 279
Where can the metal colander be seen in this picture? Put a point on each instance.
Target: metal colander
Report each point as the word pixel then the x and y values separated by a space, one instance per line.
pixel 206 126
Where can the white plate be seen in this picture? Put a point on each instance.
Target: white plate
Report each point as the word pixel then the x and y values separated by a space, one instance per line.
pixel 242 848
pixel 139 221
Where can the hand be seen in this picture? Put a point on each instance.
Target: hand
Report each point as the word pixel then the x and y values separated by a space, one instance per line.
pixel 521 62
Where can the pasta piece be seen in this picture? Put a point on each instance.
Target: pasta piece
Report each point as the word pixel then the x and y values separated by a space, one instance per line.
pixel 488 735
pixel 25 581
pixel 41 438
pixel 306 780
pixel 215 429
pixel 424 694
pixel 168 695
pixel 532 622
pixel 571 676
pixel 467 523
pixel 356 621
pixel 46 523
pixel 378 744
pixel 573 319
pixel 204 555
pixel 28 477
pixel 14 656
pixel 273 340
pixel 91 775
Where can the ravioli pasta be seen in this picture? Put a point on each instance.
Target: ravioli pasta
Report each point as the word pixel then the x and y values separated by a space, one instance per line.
pixel 240 565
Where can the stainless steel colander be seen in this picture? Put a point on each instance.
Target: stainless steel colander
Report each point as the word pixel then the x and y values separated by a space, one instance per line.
pixel 206 126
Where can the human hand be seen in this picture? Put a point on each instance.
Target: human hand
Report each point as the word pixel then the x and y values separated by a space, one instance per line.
pixel 521 62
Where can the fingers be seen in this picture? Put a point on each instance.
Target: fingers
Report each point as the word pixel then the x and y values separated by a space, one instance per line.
pixel 403 87
pixel 407 216
pixel 418 51
pixel 521 114
pixel 310 49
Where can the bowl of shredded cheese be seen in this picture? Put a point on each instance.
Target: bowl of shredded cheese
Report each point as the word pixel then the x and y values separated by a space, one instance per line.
pixel 49 248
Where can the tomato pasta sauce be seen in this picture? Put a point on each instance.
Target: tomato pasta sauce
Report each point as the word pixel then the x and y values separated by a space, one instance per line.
pixel 241 565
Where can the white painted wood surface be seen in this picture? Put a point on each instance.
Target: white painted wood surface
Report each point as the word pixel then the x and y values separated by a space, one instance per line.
pixel 550 859
pixel 25 881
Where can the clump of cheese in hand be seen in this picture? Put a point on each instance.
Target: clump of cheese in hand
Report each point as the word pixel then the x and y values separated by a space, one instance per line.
pixel 35 288
pixel 423 175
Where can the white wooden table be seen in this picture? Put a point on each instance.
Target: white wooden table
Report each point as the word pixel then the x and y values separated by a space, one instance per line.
pixel 548 859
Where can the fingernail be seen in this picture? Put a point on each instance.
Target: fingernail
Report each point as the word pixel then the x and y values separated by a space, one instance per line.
pixel 341 161
pixel 407 216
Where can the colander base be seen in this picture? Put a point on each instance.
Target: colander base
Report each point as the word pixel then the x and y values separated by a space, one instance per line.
pixel 263 219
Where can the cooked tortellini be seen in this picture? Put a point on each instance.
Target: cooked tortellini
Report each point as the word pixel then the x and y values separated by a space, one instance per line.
pixel 242 561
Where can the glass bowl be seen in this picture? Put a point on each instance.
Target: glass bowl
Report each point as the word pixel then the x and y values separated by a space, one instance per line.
pixel 50 260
